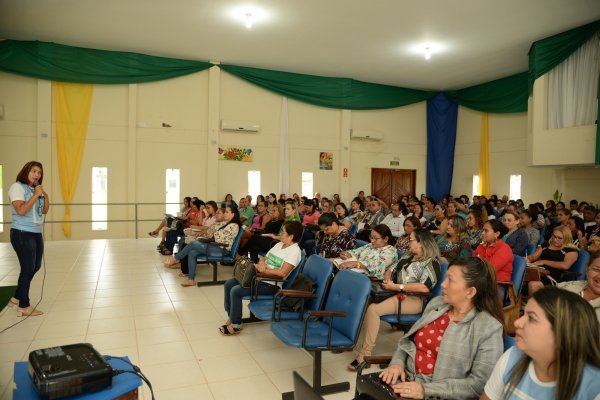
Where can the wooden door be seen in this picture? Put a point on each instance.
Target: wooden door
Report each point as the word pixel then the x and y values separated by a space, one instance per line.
pixel 389 184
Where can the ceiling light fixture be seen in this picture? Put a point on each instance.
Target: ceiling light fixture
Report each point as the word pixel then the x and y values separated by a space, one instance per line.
pixel 427 53
pixel 427 49
pixel 248 19
pixel 249 16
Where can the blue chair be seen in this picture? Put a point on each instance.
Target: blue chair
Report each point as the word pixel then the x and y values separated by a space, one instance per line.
pixel 578 271
pixel 336 327
pixel 317 269
pixel 225 258
pixel 530 249
pixel 353 229
pixel 510 293
pixel 360 243
pixel 509 342
pixel 286 283
pixel 399 319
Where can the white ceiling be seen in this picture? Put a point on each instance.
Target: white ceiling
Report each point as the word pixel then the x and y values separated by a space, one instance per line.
pixel 364 40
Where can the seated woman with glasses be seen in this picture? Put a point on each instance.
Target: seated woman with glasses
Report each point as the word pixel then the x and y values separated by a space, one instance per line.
pixel 417 271
pixel 451 350
pixel 454 243
pixel 374 258
pixel 558 256
pixel 589 289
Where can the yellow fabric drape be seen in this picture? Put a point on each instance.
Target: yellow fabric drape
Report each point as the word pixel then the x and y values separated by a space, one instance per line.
pixel 72 103
pixel 484 157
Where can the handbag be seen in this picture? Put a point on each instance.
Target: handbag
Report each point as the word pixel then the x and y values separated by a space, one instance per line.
pixel 379 294
pixel 244 271
pixel 370 386
pixel 206 239
pixel 303 283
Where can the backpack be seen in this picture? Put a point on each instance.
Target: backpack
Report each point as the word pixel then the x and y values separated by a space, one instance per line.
pixel 244 271
pixel 302 282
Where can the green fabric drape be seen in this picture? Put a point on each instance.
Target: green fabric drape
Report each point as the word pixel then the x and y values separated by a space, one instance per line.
pixel 322 91
pixel 56 62
pixel 505 95
pixel 598 128
pixel 547 53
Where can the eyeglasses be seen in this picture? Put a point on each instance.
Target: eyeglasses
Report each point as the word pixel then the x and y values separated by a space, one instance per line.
pixel 374 238
pixel 595 269
pixel 557 237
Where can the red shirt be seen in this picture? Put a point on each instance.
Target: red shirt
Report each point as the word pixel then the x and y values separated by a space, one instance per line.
pixel 500 255
pixel 427 341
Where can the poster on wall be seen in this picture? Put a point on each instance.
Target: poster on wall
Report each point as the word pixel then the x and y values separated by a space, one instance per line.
pixel 326 160
pixel 235 154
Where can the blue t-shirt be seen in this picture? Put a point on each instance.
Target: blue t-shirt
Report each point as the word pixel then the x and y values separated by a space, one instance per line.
pixel 530 387
pixel 33 219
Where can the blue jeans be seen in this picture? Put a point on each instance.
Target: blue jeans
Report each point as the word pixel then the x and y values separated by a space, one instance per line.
pixel 29 247
pixel 233 298
pixel 195 249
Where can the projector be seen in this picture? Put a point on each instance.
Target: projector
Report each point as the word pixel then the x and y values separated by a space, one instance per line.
pixel 68 370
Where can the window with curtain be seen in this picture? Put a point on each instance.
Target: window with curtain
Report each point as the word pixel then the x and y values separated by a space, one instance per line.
pixel 573 88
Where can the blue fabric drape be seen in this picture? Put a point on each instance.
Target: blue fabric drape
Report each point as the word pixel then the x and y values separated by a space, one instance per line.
pixel 441 137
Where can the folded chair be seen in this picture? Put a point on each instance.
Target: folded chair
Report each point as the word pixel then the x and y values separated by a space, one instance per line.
pixel 336 327
pixel 225 258
pixel 319 270
pixel 399 319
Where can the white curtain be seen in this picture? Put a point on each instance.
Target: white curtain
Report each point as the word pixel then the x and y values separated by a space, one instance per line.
pixel 573 88
pixel 284 164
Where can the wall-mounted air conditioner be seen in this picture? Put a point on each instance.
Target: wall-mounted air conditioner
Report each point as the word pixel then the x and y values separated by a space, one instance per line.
pixel 239 126
pixel 359 134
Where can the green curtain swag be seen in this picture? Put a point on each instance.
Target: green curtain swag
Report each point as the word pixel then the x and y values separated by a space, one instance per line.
pixel 545 54
pixel 504 95
pixel 322 91
pixel 56 62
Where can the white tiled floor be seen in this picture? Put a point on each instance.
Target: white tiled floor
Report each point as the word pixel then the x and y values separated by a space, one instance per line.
pixel 117 295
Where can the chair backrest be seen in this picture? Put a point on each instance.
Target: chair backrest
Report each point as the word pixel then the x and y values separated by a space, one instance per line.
pixel 353 229
pixel 292 275
pixel 437 289
pixel 509 342
pixel 360 243
pixel 235 245
pixel 349 292
pixel 518 273
pixel 583 259
pixel 320 271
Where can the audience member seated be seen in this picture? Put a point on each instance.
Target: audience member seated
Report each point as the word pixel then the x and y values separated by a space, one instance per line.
pixel 326 205
pixel 589 213
pixel 194 216
pixel 224 237
pixel 403 242
pixel 515 238
pixel 558 256
pixel 374 258
pixel 434 359
pixel 417 211
pixel 395 221
pixel 557 352
pixel 341 212
pixel 373 217
pixel 562 216
pixel 209 219
pixel 589 289
pixel 259 224
pixel 164 223
pixel 454 243
pixel 246 212
pixel 261 243
pixel 439 223
pixel 474 227
pixel 525 222
pixel 336 237
pixel 417 271
pixel 357 209
pixel 593 234
pixel 575 225
pixel 494 250
pixel 229 202
pixel 279 262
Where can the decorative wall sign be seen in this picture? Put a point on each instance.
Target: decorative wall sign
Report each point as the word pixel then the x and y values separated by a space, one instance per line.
pixel 326 160
pixel 235 154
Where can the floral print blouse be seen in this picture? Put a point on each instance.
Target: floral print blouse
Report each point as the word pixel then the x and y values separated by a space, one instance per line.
pixel 333 245
pixel 375 260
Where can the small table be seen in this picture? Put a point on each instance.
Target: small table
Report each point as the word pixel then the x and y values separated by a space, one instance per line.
pixel 124 386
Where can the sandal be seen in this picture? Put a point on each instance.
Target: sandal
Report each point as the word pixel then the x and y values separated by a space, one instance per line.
pixel 188 283
pixel 229 330
pixel 356 365
pixel 170 262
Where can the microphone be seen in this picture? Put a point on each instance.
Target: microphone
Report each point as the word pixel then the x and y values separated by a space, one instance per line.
pixel 36 183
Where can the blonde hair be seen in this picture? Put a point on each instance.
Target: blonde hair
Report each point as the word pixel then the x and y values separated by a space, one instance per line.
pixel 567 237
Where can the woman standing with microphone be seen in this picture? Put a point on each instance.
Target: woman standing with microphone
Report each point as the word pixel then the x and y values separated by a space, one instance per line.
pixel 29 203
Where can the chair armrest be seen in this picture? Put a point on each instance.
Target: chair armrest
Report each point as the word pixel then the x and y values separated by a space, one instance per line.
pixel 572 273
pixel 505 283
pixel 297 293
pixel 317 313
pixel 266 275
pixel 378 359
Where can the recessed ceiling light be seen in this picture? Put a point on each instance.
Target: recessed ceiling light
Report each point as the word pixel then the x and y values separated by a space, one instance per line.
pixel 249 16
pixel 427 49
